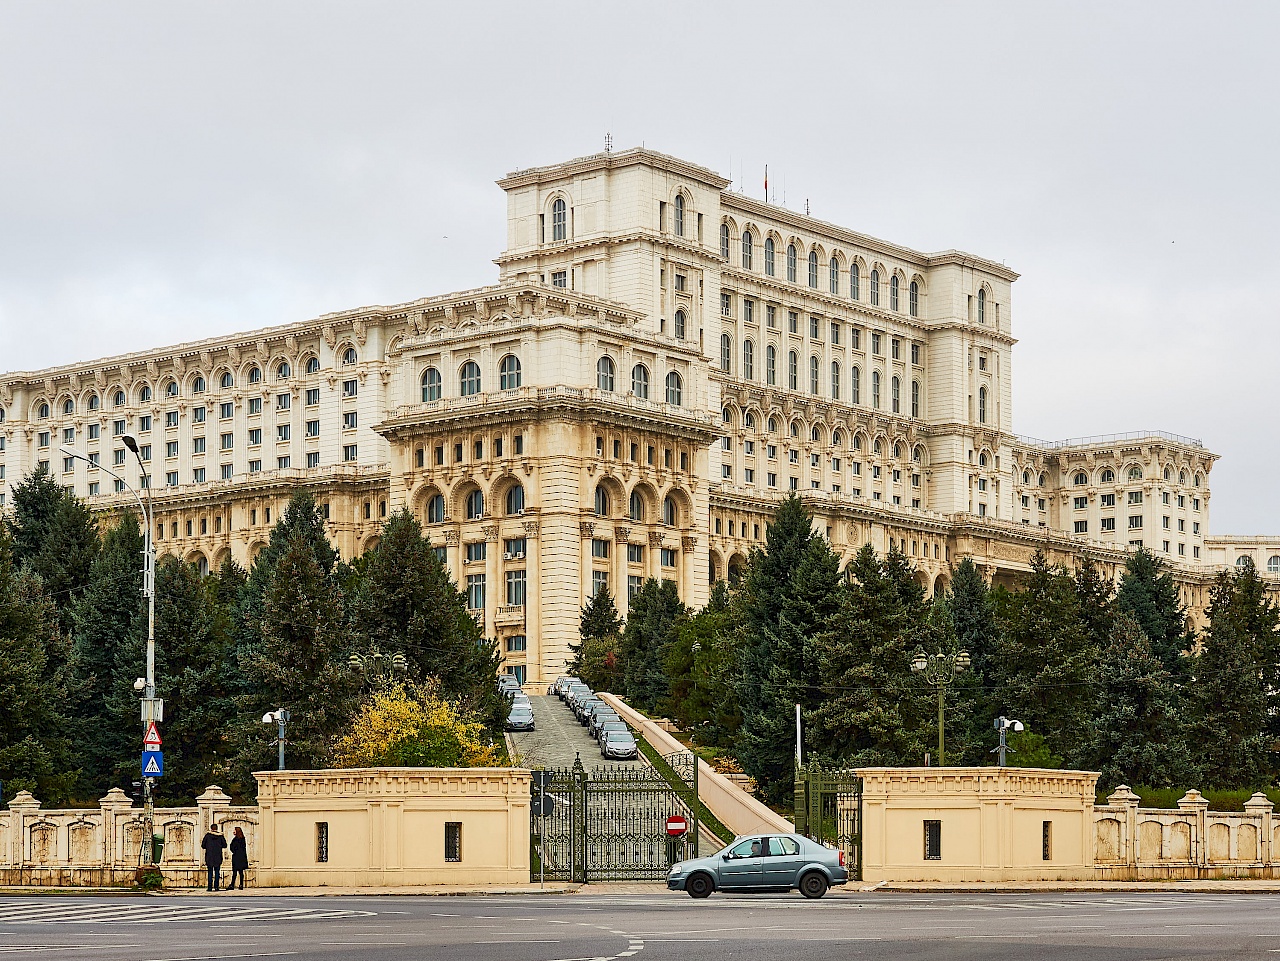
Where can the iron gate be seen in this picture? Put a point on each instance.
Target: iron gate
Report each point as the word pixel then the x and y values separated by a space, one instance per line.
pixel 609 823
pixel 828 808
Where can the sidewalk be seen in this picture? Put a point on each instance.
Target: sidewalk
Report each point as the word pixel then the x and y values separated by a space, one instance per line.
pixel 1223 886
pixel 437 890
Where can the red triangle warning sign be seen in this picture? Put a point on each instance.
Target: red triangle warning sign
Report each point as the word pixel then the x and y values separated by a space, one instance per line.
pixel 152 738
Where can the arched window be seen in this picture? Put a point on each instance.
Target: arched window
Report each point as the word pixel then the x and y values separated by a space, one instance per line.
pixel 876 448
pixel 748 360
pixel 793 370
pixel 791 263
pixel 1182 477
pixel 833 276
pixel 917 454
pixel 94 402
pixel 1108 476
pixel 640 381
pixel 855 385
pixel 2 415
pixel 768 256
pixel 469 378
pixel 255 375
pixel 835 380
pixel 726 416
pixel 724 241
pixel 1243 561
pixel 197 386
pixel 144 395
pixel 893 292
pixel 679 215
pixel 982 405
pixel 749 420
pixel 680 324
pixel 747 245
pixel 670 516
pixel 795 428
pixel 815 434
pixel 604 373
pixel 895 395
pixel 813 375
pixel 913 299
pixel 875 288
pixel 602 502
pixel 773 425
pixel 515 500
pixel 68 406
pixel 559 220
pixel 313 365
pixel 915 398
pixel 475 504
pixel 875 388
pixel 837 437
pixel 1197 480
pixel 226 382
pixel 119 399
pixel 348 356
pixel 982 305
pixel 171 389
pixel 432 385
pixel 283 370
pixel 1135 473
pixel 635 509
pixel 1273 564
pixel 855 282
pixel 771 365
pixel 856 442
pixel 1026 477
pixel 726 352
pixel 435 509
pixel 509 373
pixel 897 453
pixel 43 411
pixel 1081 479
pixel 675 389
pixel 813 269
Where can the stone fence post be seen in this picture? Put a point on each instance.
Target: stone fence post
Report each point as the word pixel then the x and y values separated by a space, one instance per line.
pixel 1197 805
pixel 114 805
pixel 1122 796
pixel 1260 806
pixel 213 804
pixel 23 808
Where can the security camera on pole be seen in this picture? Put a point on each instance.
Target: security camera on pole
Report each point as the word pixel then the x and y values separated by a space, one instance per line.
pixel 1004 725
pixel 279 717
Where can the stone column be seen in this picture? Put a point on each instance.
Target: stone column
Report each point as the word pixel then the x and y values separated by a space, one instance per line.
pixel 115 806
pixel 212 804
pixel 587 531
pixel 622 537
pixel 23 808
pixel 495 589
pixel 1197 804
pixel 537 664
pixel 1123 797
pixel 1260 805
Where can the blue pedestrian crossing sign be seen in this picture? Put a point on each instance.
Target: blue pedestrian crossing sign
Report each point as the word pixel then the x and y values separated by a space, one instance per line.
pixel 152 763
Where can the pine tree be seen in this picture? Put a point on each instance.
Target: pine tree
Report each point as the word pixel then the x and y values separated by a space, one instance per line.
pixel 1095 595
pixel 699 668
pixel 652 619
pixel 972 611
pixel 600 616
pixel 1148 594
pixel 596 657
pixel 1139 733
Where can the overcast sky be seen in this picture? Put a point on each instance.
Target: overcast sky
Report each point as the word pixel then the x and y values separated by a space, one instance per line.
pixel 176 170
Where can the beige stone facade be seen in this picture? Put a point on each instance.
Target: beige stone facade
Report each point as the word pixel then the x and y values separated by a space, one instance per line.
pixel 661 361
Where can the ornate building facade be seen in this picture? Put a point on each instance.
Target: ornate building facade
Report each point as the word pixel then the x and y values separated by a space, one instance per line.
pixel 661 361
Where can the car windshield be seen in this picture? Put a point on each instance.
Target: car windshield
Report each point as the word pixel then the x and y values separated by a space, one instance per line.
pixel 618 736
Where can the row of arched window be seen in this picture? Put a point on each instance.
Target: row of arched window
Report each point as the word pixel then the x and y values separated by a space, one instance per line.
pixel 1133 474
pixel 606 379
pixel 171 389
pixel 817 434
pixel 1273 562
pixel 893 287
pixel 509 378
pixel 636 507
pixel 473 505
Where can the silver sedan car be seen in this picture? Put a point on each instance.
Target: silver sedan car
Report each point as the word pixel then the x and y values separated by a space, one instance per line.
pixel 778 861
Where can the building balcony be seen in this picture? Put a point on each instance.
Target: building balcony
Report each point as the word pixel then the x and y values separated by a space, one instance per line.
pixel 510 616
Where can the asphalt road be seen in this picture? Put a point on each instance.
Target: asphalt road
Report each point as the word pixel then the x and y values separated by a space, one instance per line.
pixel 658 926
pixel 557 738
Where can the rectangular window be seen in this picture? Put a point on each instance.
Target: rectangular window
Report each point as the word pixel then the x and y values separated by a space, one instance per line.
pixel 475 592
pixel 559 278
pixel 350 388
pixel 835 334
pixel 1082 527
pixel 1108 500
pixel 517 443
pixel 198 475
pixel 322 842
pixel 1046 841
pixel 227 470
pixel 68 435
pixel 95 431
pixel 771 316
pixel 197 415
pixel 933 840
pixel 282 463
pixel 283 401
pixel 517 643
pixel 875 344
pixel 313 397
pixel 68 465
pixel 439 454
pixel 144 424
pixel 1135 497
pixel 1195 527
pixel 476 551
pixel 599 547
pixel 226 411
pixel 814 328
pixel 635 553
pixel 681 282
pixel 1182 525
pixel 915 355
pixel 772 479
pixel 1165 522
pixel 349 420
pixel 313 428
pixel 197 445
pixel 255 436
pixel 1195 503
pixel 170 420
pixel 749 475
pixel 726 305
pixel 1080 503
pixel 1182 500
pixel 1135 522
pixel 313 458
pixel 171 480
pixel 515 588
pixel 726 471
pixel 668 557
pixel 855 338
pixel 634 583
pixel 171 448
pixel 894 348
pixel 255 405
pixel 283 431
pixel 227 441
pixel 748 311
pixel 1108 524
pixel 599 582
pixel 793 321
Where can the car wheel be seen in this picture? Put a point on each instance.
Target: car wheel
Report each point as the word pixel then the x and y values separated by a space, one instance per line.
pixel 699 886
pixel 813 885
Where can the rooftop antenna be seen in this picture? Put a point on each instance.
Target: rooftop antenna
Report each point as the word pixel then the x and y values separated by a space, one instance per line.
pixel 806 206
pixel 608 142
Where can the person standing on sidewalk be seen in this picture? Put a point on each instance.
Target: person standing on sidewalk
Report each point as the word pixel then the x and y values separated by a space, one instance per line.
pixel 239 860
pixel 214 844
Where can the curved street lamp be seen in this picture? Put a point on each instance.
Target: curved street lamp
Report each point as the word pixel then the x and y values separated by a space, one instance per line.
pixel 940 670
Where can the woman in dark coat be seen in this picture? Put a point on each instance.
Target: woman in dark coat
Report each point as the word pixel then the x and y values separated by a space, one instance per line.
pixel 239 859
pixel 214 844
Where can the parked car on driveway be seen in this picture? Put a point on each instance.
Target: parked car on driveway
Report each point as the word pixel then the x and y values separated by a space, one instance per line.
pixel 619 745
pixel 762 862
pixel 611 727
pixel 599 717
pixel 520 718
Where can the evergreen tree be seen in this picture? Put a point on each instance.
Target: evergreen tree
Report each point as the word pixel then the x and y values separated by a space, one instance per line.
pixel 34 752
pixel 652 617
pixel 1148 594
pixel 972 611
pixel 699 669
pixel 406 601
pixel 1095 595
pixel 596 656
pixel 600 616
pixel 1046 663
pixel 1138 737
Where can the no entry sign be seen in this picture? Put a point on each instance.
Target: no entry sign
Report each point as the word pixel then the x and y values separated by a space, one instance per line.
pixel 676 825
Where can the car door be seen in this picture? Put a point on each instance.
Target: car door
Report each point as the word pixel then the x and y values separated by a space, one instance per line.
pixel 782 862
pixel 740 866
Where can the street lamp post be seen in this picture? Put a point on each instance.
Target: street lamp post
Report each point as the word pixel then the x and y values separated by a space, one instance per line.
pixel 378 669
pixel 151 706
pixel 940 670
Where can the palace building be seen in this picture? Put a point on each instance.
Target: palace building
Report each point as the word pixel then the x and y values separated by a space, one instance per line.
pixel 660 361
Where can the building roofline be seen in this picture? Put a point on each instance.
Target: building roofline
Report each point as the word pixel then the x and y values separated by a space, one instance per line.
pixel 609 160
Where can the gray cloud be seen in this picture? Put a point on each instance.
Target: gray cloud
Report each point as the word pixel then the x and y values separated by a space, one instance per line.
pixel 170 171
